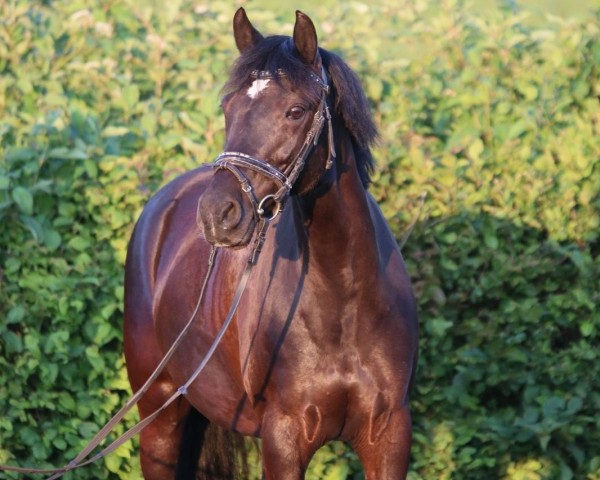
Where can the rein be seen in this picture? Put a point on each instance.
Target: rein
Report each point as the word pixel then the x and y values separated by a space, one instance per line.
pixel 231 161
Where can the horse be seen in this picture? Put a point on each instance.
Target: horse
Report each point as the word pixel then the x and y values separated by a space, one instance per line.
pixel 323 344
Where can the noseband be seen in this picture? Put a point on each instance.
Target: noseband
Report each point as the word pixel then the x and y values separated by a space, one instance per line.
pixel 235 162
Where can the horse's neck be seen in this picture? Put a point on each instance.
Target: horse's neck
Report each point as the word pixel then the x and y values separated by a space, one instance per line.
pixel 341 234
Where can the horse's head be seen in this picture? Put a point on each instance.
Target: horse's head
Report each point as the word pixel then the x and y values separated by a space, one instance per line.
pixel 278 130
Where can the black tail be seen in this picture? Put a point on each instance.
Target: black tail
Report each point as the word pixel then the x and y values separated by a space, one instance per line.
pixel 208 452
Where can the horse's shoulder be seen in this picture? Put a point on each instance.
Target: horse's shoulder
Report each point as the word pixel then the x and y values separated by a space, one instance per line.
pixel 168 215
pixel 188 184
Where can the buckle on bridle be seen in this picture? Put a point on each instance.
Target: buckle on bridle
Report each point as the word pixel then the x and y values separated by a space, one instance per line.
pixel 246 187
pixel 261 211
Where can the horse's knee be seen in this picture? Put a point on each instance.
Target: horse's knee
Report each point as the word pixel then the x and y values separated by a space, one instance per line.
pixel 386 456
pixel 286 447
pixel 160 440
pixel 158 454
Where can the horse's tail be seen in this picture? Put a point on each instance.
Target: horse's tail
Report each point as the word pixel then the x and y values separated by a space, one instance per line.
pixel 210 452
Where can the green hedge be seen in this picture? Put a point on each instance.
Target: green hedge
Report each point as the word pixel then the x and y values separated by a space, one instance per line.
pixel 490 149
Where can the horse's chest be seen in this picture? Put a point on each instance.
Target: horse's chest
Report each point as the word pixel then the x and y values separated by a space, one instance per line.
pixel 332 359
pixel 320 353
pixel 332 394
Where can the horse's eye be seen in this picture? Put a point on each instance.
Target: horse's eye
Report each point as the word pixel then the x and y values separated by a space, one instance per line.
pixel 295 113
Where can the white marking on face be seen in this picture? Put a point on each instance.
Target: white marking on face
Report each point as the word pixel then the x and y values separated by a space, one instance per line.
pixel 257 86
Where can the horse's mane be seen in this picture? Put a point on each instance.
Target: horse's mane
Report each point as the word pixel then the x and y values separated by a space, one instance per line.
pixel 277 52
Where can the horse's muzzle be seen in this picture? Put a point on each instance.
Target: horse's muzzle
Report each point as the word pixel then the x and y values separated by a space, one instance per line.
pixel 225 219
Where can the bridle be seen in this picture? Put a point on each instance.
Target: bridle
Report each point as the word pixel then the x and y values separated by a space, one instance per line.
pixel 236 162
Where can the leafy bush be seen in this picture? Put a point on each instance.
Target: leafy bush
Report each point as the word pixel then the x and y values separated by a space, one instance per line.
pixel 490 145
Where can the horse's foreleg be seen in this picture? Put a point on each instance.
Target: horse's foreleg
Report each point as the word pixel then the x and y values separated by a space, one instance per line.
pixel 286 447
pixel 384 446
pixel 160 441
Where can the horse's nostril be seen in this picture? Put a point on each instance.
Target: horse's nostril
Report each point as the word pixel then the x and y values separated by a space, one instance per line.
pixel 229 216
pixel 225 211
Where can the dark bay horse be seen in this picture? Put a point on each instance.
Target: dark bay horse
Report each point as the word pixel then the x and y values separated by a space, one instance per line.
pixel 323 345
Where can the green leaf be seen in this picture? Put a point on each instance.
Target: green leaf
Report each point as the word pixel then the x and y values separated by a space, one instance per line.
pixel 131 95
pixel 113 463
pixel 67 154
pixel 490 239
pixel 374 88
pixel 66 401
pixel 449 264
pixel 103 334
pixel 15 314
pixel 95 358
pixel 52 239
pixel 544 441
pixel 43 186
pixel 112 131
pixel 528 90
pixel 574 404
pixel 13 342
pixel 20 154
pixel 59 443
pixel 91 168
pixel 517 129
pixel 587 328
pixel 34 227
pixel 79 243
pixel 23 199
pixel 552 406
pixel 339 471
pixel 475 149
pixel 87 429
pixel 439 326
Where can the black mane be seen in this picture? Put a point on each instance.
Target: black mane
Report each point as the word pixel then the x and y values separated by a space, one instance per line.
pixel 277 52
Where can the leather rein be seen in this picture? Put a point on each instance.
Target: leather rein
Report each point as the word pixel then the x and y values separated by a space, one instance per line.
pixel 234 162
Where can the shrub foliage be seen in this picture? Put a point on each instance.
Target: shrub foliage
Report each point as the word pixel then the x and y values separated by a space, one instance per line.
pixel 488 174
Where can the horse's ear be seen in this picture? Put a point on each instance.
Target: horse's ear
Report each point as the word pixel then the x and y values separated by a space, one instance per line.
pixel 244 32
pixel 305 38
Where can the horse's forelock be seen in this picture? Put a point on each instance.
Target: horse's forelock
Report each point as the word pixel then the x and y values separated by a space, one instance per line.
pixel 272 54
